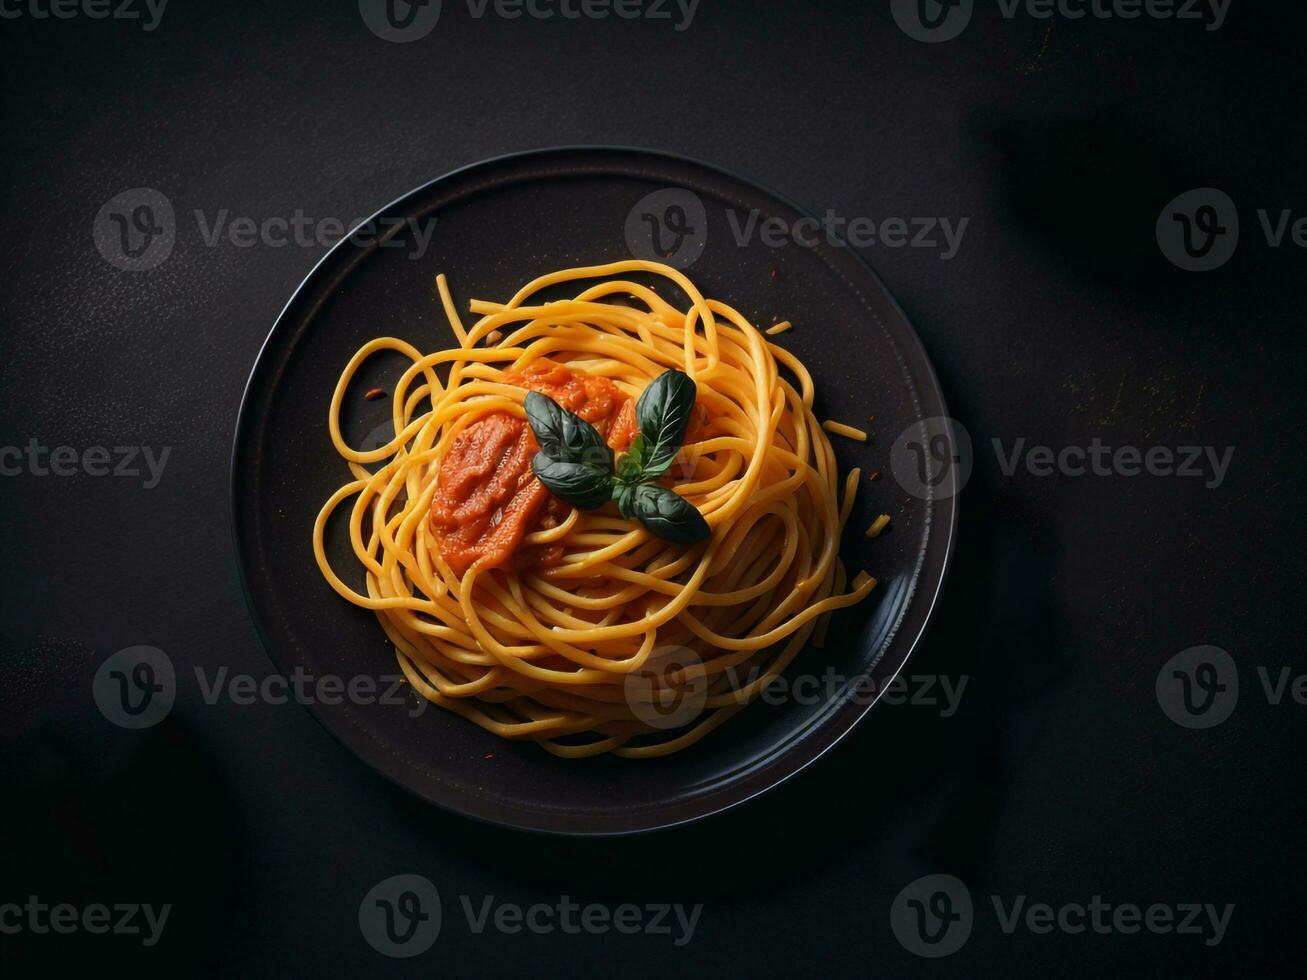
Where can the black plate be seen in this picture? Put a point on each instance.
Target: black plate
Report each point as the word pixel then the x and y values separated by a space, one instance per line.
pixel 499 224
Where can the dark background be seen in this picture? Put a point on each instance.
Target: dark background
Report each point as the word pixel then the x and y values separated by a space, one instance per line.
pixel 1059 778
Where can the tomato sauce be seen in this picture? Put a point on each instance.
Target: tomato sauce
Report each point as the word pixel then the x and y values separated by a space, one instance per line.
pixel 487 499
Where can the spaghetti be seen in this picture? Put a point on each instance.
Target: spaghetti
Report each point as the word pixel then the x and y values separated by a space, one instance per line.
pixel 577 629
pixel 847 431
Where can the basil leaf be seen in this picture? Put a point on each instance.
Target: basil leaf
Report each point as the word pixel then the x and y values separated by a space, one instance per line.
pixel 545 417
pixel 667 514
pixel 564 436
pixel 622 495
pixel 630 465
pixel 583 485
pixel 663 413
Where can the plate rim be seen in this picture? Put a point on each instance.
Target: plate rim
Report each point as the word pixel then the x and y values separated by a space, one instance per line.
pixel 494 813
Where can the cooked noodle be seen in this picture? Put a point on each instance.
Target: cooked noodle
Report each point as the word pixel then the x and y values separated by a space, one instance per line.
pixel 585 654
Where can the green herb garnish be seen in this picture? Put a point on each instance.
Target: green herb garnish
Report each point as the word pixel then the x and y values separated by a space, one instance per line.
pixel 576 465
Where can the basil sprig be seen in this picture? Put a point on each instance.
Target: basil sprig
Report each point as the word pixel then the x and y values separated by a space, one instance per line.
pixel 576 465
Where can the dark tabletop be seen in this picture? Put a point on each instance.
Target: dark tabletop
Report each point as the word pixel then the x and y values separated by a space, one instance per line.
pixel 1071 773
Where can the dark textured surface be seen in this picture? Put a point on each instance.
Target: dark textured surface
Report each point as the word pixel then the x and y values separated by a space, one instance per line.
pixel 1059 778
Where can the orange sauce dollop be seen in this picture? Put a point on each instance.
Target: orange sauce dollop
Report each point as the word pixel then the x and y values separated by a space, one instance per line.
pixel 487 499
